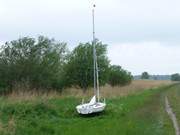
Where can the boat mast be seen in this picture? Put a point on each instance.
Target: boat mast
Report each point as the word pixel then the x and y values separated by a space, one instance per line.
pixel 96 74
pixel 93 42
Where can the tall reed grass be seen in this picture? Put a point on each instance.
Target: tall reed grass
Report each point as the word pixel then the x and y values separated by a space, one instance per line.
pixel 106 91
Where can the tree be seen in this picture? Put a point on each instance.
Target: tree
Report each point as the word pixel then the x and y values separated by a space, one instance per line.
pixel 145 75
pixel 175 77
pixel 119 76
pixel 79 69
pixel 37 62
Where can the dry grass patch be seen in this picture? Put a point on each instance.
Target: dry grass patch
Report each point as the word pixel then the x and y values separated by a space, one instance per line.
pixel 11 126
pixel 135 86
pixel 1 127
pixel 8 128
pixel 18 96
pixel 108 91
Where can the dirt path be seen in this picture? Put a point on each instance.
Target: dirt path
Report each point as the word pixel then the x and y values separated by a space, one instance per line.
pixel 172 116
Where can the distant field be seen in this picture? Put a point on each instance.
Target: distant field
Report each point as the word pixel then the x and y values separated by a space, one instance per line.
pixel 141 113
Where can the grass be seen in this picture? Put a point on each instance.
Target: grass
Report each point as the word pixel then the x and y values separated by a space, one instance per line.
pixel 174 99
pixel 140 113
pixel 106 91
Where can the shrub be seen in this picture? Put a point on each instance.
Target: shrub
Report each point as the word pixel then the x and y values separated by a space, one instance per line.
pixel 79 69
pixel 145 75
pixel 38 62
pixel 175 77
pixel 119 76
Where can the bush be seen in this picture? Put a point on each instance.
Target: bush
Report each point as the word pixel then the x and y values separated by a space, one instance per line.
pixel 37 62
pixel 79 69
pixel 175 77
pixel 145 75
pixel 119 76
pixel 45 64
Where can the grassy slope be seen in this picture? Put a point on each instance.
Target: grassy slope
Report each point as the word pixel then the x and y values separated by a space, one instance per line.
pixel 139 114
pixel 174 99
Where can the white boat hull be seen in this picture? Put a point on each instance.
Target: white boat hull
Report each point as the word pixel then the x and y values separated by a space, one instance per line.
pixel 91 108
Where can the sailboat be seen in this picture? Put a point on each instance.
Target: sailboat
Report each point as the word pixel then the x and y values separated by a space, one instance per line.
pixel 94 106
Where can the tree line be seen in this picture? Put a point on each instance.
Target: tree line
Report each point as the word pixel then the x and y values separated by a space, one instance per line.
pixel 47 64
pixel 146 75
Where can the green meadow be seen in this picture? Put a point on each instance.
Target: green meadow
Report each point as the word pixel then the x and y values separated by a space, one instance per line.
pixel 142 113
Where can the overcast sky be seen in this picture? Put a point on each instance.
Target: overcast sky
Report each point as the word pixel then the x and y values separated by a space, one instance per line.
pixel 142 35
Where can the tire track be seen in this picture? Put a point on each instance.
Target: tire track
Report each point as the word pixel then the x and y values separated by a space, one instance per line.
pixel 172 116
